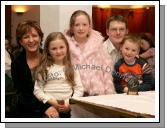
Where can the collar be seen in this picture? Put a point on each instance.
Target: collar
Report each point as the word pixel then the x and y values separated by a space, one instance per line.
pixel 109 45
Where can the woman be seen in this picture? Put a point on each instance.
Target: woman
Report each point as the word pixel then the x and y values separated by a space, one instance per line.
pixel 29 37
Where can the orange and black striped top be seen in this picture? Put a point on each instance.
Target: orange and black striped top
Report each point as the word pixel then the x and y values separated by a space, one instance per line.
pixel 124 71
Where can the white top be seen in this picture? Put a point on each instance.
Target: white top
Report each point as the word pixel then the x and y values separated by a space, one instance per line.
pixel 112 51
pixel 7 63
pixel 57 87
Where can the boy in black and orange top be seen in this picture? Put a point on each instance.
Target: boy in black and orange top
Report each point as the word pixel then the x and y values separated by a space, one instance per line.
pixel 131 70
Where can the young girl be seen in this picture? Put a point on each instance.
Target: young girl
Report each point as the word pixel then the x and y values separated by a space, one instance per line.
pixel 130 68
pixel 56 80
pixel 86 48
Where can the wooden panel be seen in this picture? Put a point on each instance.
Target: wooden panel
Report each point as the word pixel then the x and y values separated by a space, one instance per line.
pixel 8 21
pixel 140 20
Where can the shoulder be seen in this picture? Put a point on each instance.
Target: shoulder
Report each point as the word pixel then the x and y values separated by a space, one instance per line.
pixel 106 42
pixel 140 61
pixel 152 48
pixel 119 62
pixel 76 73
pixel 21 57
pixel 95 35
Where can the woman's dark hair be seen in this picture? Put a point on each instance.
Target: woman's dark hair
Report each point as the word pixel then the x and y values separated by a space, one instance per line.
pixel 149 38
pixel 25 27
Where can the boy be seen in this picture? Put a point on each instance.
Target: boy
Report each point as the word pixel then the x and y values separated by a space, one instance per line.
pixel 131 71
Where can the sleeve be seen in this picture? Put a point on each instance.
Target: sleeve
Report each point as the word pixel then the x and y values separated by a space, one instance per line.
pixel 39 93
pixel 149 53
pixel 147 83
pixel 117 78
pixel 107 72
pixel 105 47
pixel 7 62
pixel 78 88
pixel 15 72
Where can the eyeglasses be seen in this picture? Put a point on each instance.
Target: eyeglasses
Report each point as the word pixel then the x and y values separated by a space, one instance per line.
pixel 115 30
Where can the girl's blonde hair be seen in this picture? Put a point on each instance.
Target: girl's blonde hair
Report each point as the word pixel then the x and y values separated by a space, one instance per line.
pixel 47 60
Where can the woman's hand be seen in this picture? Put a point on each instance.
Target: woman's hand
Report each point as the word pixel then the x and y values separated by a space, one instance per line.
pixel 51 112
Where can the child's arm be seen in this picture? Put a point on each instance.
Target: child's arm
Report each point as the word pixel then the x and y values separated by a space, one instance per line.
pixel 149 53
pixel 78 88
pixel 148 80
pixel 147 83
pixel 39 93
pixel 46 99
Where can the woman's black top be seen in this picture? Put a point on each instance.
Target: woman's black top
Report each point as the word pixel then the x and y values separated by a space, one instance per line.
pixel 28 105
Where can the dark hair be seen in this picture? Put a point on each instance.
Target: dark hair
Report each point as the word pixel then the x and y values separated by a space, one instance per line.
pixel 118 18
pixel 73 18
pixel 25 27
pixel 148 37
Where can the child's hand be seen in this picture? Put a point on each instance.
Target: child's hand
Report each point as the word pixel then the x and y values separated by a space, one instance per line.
pixel 64 108
pixel 125 89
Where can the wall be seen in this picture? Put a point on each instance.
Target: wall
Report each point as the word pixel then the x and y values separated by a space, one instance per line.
pixel 56 17
pixel 51 17
pixel 66 12
pixel 8 21
pixel 32 13
pixel 139 20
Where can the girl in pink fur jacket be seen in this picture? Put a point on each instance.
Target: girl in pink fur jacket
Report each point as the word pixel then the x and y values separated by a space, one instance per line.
pixel 88 56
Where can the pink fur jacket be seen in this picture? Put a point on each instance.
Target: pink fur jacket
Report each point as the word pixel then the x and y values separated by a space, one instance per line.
pixel 93 64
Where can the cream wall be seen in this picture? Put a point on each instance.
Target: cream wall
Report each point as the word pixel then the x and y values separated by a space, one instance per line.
pixel 66 12
pixel 51 17
pixel 56 17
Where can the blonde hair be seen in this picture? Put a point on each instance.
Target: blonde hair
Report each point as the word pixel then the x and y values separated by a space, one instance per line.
pixel 134 38
pixel 47 60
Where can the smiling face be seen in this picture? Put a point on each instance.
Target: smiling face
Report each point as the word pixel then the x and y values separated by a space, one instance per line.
pixel 116 32
pixel 129 51
pixel 57 50
pixel 31 40
pixel 81 27
pixel 144 45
